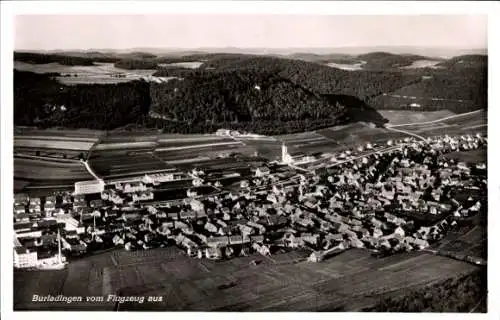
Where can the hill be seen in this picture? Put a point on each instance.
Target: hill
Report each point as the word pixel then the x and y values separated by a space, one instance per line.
pixel 262 94
pixel 38 58
pixel 466 61
pixel 385 60
pixel 261 102
pixel 318 78
pixel 40 100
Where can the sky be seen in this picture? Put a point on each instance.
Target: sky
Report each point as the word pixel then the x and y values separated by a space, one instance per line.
pixel 63 32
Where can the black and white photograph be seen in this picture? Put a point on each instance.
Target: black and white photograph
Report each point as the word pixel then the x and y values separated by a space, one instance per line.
pixel 247 162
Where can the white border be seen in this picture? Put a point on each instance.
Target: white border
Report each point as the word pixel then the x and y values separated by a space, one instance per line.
pixel 9 9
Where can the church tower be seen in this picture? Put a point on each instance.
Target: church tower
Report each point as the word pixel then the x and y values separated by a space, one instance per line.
pixel 285 157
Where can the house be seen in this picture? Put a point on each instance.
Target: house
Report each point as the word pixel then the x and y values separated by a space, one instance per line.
pixel 356 243
pixel 335 237
pixel 21 199
pixel 173 215
pixel 34 208
pixel 262 249
pixel 131 216
pixel 213 253
pixel 187 215
pixel 246 230
pixel 197 205
pixel 257 238
pixel 377 233
pixel 210 227
pixel 262 172
pixel 22 217
pixel 98 203
pixel 19 208
pixel 70 223
pixel 73 244
pixel 236 239
pixel 49 208
pixel 218 241
pixel 399 231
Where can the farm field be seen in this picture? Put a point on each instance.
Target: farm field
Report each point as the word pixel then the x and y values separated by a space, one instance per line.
pixel 188 65
pixel 37 143
pixel 408 116
pixel 56 133
pixel 472 123
pixel 47 171
pixel 359 134
pixel 423 64
pixel 115 166
pixel 349 281
pixel 399 100
pixel 144 146
pixel 215 165
pixel 268 149
pixel 206 151
pixel 99 73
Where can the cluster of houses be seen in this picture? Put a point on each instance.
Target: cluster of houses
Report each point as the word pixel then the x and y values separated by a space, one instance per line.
pixel 397 201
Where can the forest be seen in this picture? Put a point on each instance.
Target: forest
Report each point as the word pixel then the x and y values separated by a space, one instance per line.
pixel 38 99
pixel 261 94
pixel 315 77
pixel 132 64
pixel 38 58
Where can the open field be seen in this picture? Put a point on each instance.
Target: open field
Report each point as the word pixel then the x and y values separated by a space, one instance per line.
pixel 350 281
pixel 48 171
pixel 53 143
pixel 423 64
pixel 408 116
pixel 348 67
pixel 268 149
pixel 476 122
pixel 62 134
pixel 188 65
pixel 144 146
pixel 216 165
pixel 359 134
pixel 172 155
pixel 100 73
pixel 110 166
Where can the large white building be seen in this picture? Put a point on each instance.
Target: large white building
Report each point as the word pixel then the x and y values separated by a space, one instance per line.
pixel 89 187
pixel 23 258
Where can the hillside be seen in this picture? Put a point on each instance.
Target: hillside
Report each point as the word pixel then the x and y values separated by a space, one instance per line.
pixel 315 77
pixel 455 89
pixel 385 60
pixel 38 58
pixel 42 101
pixel 262 94
pixel 261 102
pixel 466 61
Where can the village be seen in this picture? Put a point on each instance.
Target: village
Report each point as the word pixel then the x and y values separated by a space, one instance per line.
pixel 403 199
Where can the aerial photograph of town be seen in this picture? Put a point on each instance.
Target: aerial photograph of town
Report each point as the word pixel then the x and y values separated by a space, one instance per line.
pixel 267 163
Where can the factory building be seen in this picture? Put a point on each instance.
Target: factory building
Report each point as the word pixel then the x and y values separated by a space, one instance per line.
pixel 89 187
